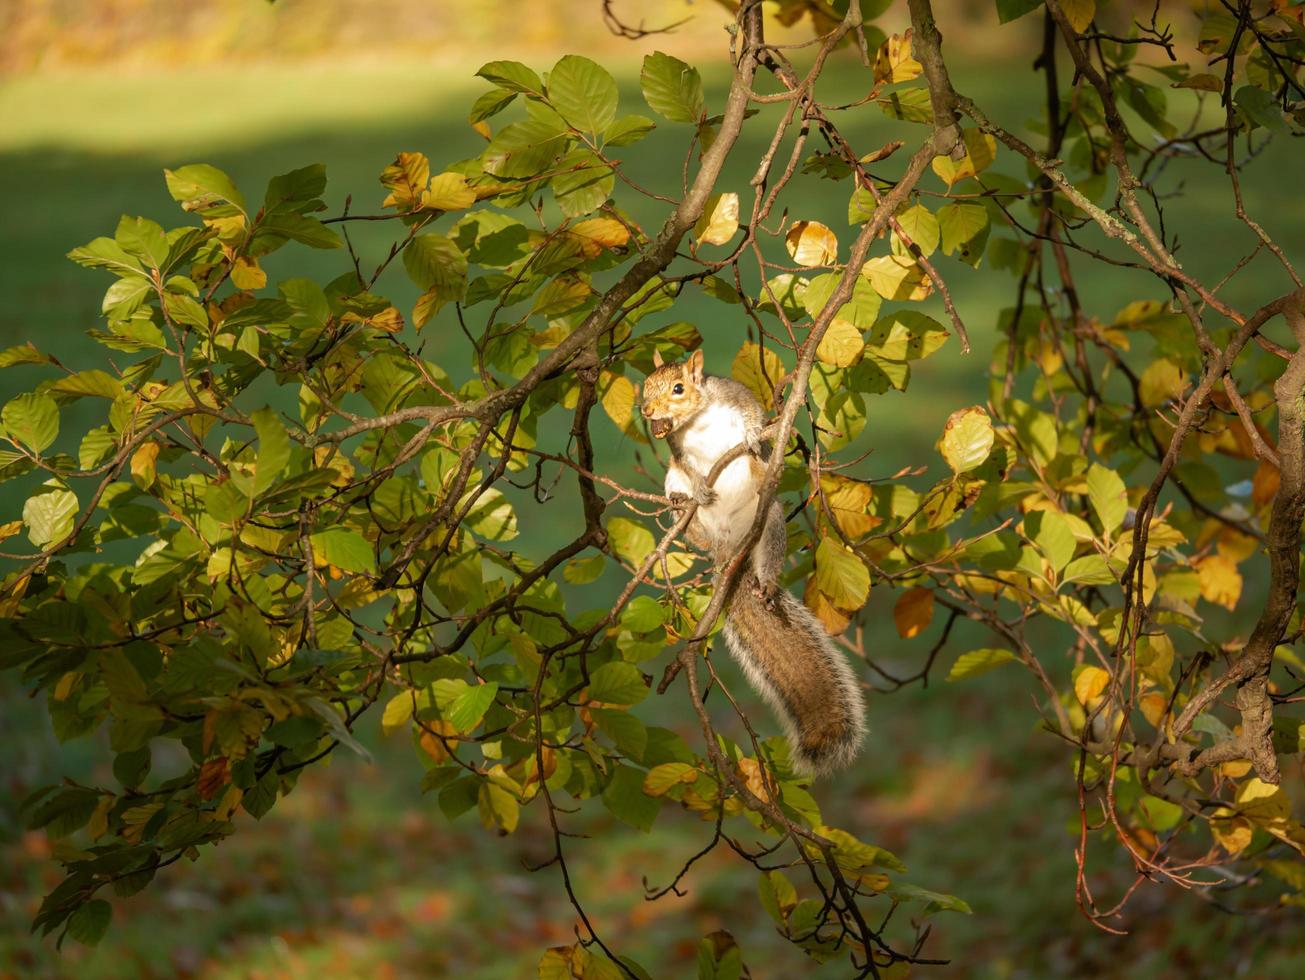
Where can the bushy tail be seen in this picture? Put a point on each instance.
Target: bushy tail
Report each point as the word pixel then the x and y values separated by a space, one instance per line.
pixel 790 660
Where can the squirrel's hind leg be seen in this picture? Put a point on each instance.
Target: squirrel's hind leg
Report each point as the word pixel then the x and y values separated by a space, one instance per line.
pixel 768 554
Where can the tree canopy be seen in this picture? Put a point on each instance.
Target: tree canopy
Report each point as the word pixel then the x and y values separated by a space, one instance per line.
pixel 289 520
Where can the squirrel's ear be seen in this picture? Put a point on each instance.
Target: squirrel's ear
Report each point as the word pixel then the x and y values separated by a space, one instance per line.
pixel 695 366
pixel 657 359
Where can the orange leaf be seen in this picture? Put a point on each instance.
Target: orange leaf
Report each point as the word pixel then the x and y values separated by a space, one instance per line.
pixel 913 612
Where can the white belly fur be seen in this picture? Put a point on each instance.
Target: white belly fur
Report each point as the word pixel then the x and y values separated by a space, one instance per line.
pixel 710 435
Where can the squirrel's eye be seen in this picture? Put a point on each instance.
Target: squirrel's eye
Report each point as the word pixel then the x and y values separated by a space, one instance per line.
pixel 677 390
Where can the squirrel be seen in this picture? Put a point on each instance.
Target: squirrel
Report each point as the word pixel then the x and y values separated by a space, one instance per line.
pixel 782 647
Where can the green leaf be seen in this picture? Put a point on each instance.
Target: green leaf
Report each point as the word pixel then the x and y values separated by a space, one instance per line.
pixel 934 901
pixel 978 662
pixel 297 227
pixel 625 798
pixel 583 184
pixel 1009 10
pixel 143 239
pixel 50 516
pixel 1108 497
pixel 1259 108
pixel 23 354
pixel 90 922
pixel 841 575
pixel 662 779
pixel 583 93
pixel 398 711
pixel 627 732
pixel 671 88
pixel 32 420
pixel 643 614
pixel 582 571
pixel 344 549
pixel 964 229
pixel 469 707
pixel 200 186
pixel 909 105
pixel 296 187
pixel 1089 570
pixel 95 383
pixel 630 540
pixel 627 130
pixel 492 517
pixel 273 449
pixel 1053 536
pixel 437 266
pixel 523 149
pixel 105 253
pixel 967 439
pixel 513 76
pixel 860 310
pixel 617 683
pixel 922 226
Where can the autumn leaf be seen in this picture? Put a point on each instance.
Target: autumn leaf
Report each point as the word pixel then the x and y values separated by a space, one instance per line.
pixel 1089 682
pixel 406 178
pixel 913 612
pixel 719 221
pixel 1220 581
pixel 811 244
pixel 893 61
pixel 967 439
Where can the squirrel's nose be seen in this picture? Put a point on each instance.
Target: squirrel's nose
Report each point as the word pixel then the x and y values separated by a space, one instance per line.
pixel 646 410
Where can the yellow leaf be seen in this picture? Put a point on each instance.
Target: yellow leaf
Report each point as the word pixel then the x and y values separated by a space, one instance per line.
pixel 1235 546
pixel 841 574
pixel 913 612
pixel 448 192
pixel 849 500
pixel 980 152
pixel 759 368
pixel 1161 381
pixel 64 687
pixel 1235 769
pixel 10 529
pixel 618 398
pixel 398 712
pixel 389 320
pixel 597 234
pixel 831 617
pixel 1153 707
pixel 811 244
pixel 433 744
pixel 893 62
pixel 719 221
pixel 755 779
pixel 897 277
pixel 143 462
pixel 1233 833
pixel 1219 580
pixel 406 178
pixel 1089 682
pixel 246 274
pixel 967 439
pixel 1079 13
pixel 842 345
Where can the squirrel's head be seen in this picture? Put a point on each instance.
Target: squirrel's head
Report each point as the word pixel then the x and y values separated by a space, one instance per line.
pixel 672 394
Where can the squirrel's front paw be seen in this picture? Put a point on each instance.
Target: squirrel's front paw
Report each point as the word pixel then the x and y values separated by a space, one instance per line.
pixel 756 445
pixel 705 496
pixel 679 500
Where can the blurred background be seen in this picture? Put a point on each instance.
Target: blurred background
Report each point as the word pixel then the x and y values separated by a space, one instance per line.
pixel 356 874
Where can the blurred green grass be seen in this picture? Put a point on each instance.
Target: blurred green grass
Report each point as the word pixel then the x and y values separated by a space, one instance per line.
pixel 356 874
